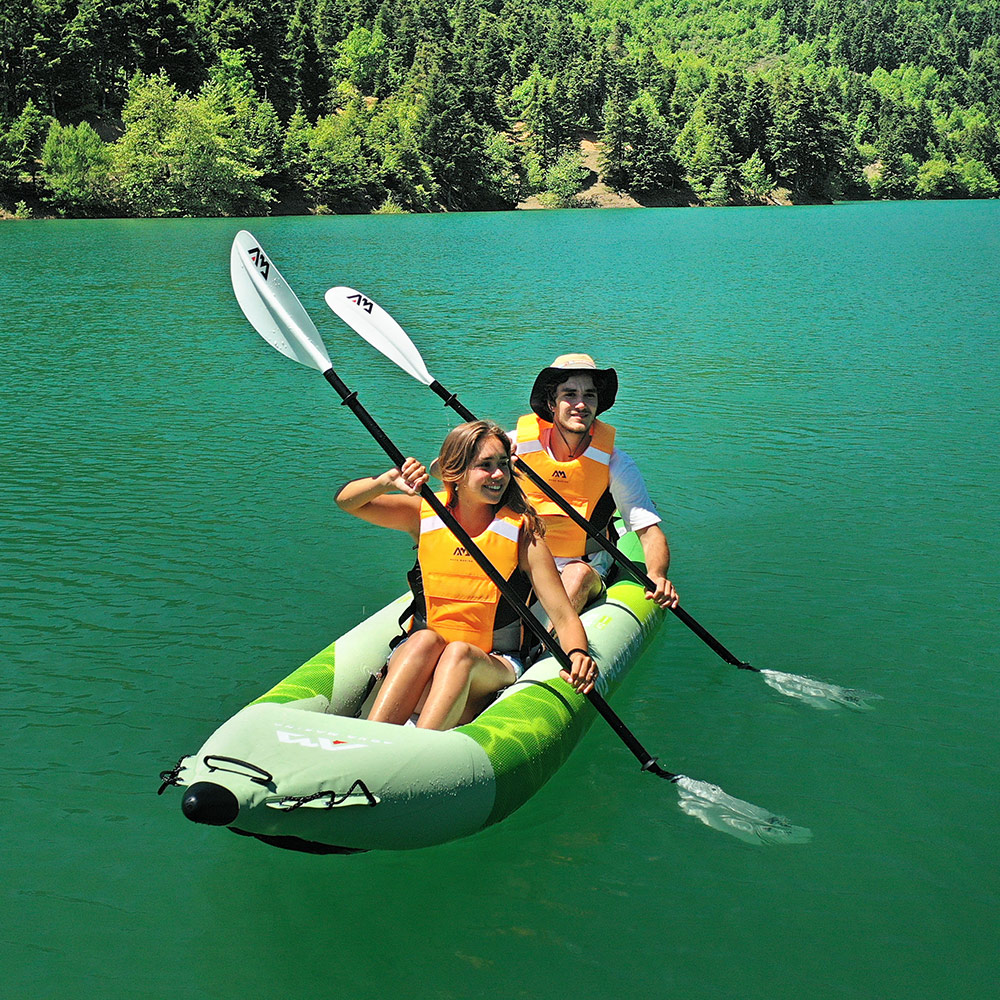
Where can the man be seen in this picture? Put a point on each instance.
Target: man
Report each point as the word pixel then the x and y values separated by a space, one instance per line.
pixel 564 443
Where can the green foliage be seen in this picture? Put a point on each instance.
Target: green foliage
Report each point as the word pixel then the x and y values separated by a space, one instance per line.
pixel 309 84
pixel 639 148
pixel 718 192
pixel 142 168
pixel 707 156
pixel 473 166
pixel 501 181
pixel 566 178
pixel 403 170
pixel 182 155
pixel 895 177
pixel 472 102
pixel 389 207
pixel 936 179
pixel 341 168
pixel 20 149
pixel 259 30
pixel 27 133
pixel 295 147
pixel 360 59
pixel 754 180
pixel 254 120
pixel 9 167
pixel 975 179
pixel 648 163
pixel 548 112
pixel 210 161
pixel 76 169
pixel 806 138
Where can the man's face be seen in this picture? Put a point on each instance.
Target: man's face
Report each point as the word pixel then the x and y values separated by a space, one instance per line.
pixel 575 404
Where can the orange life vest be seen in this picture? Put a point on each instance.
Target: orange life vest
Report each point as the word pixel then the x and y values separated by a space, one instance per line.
pixel 582 482
pixel 459 601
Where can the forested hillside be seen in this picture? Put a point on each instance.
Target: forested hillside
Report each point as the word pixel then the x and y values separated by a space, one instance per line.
pixel 243 107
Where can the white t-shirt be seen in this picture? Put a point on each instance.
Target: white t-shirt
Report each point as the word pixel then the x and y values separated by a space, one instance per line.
pixel 628 488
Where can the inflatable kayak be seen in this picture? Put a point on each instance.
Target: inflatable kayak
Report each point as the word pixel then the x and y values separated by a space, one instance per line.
pixel 302 768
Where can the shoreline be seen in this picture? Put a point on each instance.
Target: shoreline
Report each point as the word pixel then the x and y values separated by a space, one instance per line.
pixel 596 195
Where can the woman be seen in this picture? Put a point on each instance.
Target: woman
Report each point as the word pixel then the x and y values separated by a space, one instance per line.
pixel 465 643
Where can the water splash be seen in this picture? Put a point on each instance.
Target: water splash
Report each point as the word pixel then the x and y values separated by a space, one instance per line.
pixel 749 823
pixel 818 693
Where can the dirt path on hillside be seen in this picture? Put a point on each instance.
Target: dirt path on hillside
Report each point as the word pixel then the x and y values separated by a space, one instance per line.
pixel 597 194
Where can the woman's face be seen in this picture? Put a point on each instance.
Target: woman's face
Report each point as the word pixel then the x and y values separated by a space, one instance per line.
pixel 487 476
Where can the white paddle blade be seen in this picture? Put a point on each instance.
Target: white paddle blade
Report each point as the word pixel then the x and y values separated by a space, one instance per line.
pixel 368 319
pixel 271 306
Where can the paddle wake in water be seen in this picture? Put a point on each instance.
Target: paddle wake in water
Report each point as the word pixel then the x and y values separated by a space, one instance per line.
pixel 818 693
pixel 720 811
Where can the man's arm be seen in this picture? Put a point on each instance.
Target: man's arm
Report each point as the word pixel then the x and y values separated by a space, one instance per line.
pixel 656 551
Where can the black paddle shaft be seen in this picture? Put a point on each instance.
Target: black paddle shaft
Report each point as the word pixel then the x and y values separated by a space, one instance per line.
pixel 450 399
pixel 350 400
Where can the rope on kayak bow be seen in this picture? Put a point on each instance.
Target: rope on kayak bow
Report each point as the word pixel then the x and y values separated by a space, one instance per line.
pixel 262 777
pixel 172 777
pixel 292 802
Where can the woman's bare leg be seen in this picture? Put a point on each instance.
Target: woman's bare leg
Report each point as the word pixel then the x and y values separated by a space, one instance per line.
pixel 464 677
pixel 410 668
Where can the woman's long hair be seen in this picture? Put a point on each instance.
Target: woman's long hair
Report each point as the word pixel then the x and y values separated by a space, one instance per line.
pixel 459 451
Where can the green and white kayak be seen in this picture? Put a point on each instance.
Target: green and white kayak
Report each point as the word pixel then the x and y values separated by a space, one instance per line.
pixel 302 768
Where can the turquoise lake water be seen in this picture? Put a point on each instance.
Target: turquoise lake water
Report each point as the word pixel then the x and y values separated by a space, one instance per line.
pixel 813 395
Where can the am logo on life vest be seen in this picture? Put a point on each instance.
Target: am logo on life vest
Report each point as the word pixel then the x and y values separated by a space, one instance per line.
pixel 260 261
pixel 359 300
pixel 460 551
pixel 559 474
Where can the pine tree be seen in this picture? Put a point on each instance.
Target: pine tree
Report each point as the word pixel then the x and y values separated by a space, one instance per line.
pixel 309 83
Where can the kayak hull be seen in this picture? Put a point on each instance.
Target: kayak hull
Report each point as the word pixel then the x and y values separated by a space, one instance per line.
pixel 308 771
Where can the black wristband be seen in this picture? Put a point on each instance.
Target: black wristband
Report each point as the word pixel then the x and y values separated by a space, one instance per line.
pixel 586 652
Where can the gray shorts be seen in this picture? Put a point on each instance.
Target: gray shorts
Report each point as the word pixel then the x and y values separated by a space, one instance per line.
pixel 514 661
pixel 599 561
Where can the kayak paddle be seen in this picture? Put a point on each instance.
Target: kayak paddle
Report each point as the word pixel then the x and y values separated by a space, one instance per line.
pixel 275 312
pixel 367 318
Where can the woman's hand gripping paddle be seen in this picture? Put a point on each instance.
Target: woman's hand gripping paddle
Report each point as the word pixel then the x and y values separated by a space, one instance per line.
pixel 275 312
pixel 367 318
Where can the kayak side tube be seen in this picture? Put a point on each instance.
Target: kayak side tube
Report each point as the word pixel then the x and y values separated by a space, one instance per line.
pixel 531 729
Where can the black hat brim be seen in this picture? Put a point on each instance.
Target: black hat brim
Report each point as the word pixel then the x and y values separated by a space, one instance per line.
pixel 605 381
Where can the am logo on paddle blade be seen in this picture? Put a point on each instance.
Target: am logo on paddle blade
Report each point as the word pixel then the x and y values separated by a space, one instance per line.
pixel 359 300
pixel 260 261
